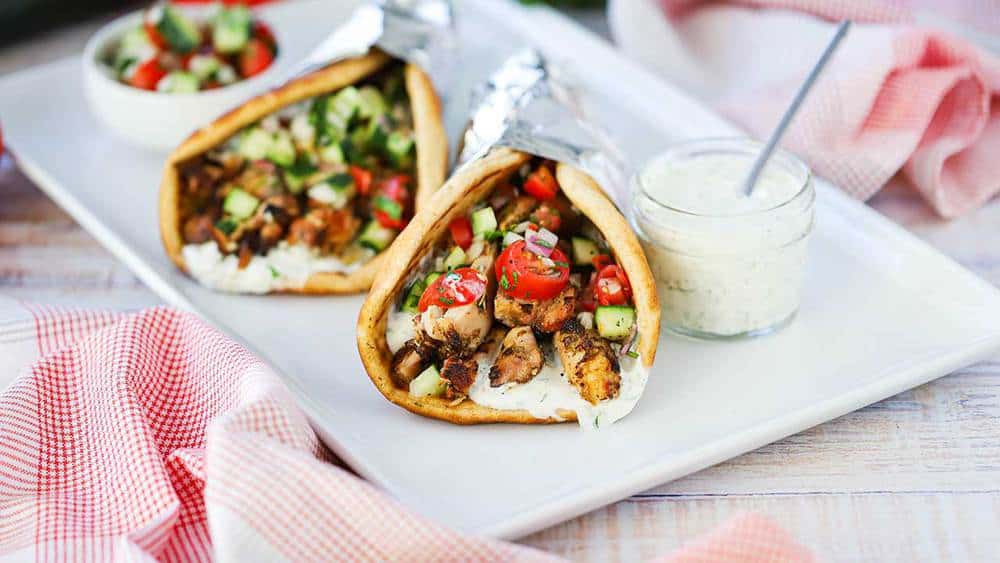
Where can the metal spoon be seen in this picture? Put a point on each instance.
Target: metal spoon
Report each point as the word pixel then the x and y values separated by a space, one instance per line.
pixel 772 142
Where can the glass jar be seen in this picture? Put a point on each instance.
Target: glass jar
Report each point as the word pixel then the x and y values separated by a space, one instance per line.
pixel 727 265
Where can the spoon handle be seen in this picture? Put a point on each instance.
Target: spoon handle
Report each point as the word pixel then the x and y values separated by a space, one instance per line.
pixel 800 96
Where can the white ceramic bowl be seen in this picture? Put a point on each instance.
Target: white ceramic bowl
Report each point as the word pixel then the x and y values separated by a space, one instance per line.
pixel 158 120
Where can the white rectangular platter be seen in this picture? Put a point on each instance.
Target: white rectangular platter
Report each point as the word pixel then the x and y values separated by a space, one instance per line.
pixel 882 312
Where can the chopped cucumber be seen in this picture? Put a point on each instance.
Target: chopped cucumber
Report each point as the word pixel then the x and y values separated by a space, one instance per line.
pixel 177 30
pixel 343 108
pixel 134 46
pixel 178 82
pixel 372 102
pixel 204 66
pixel 376 237
pixel 483 221
pixel 302 130
pixel 392 208
pixel 399 148
pixel 231 30
pixel 456 258
pixel 428 384
pixel 377 135
pixel 336 191
pixel 282 151
pixel 239 204
pixel 331 153
pixel 431 278
pixel 584 251
pixel 255 144
pixel 412 300
pixel 226 75
pixel 614 322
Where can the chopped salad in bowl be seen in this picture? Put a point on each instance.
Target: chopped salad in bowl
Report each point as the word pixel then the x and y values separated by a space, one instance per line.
pixel 172 51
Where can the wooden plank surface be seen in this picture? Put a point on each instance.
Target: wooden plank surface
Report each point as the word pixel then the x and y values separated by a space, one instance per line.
pixel 914 477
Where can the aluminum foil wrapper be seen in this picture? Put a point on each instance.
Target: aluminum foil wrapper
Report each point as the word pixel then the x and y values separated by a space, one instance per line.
pixel 529 104
pixel 421 32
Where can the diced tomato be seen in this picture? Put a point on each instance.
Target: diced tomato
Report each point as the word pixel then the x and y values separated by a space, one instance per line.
pixel 395 189
pixel 147 74
pixel 255 58
pixel 541 184
pixel 362 179
pixel 522 274
pixel 600 261
pixel 461 231
pixel 613 287
pixel 154 34
pixel 263 32
pixel 547 217
pixel 388 221
pixel 454 289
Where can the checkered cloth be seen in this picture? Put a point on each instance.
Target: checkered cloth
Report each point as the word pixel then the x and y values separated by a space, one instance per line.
pixel 896 98
pixel 151 436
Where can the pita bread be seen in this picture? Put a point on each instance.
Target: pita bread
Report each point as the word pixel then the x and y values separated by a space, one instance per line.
pixel 467 187
pixel 431 143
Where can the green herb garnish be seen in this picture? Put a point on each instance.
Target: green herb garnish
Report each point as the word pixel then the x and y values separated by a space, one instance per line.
pixel 391 208
pixel 227 225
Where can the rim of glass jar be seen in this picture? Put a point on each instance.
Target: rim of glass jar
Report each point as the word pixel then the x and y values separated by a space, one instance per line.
pixel 749 144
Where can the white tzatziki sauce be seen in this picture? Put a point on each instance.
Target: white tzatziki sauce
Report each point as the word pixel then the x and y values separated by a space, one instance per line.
pixel 548 392
pixel 283 267
pixel 726 263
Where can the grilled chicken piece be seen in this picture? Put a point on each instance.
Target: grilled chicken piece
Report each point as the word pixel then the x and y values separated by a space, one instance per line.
pixel 259 179
pixel 517 211
pixel 198 229
pixel 460 373
pixel 488 349
pixel 407 363
pixel 520 359
pixel 543 316
pixel 588 361
pixel 457 331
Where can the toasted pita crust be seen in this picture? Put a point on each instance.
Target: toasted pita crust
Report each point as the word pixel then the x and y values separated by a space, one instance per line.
pixel 462 191
pixel 431 143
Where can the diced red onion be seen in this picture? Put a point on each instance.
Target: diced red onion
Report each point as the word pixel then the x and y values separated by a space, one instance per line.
pixel 510 238
pixel 541 242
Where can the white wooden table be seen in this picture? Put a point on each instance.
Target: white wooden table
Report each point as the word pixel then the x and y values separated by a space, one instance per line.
pixel 914 477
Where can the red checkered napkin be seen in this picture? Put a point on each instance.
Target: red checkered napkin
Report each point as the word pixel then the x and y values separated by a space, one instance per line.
pixel 895 98
pixel 151 436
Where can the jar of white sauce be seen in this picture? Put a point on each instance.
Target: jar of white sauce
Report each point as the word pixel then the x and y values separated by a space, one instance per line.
pixel 727 265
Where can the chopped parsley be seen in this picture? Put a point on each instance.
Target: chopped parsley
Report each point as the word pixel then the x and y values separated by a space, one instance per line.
pixel 562 264
pixel 227 225
pixel 302 166
pixel 493 235
pixel 632 354
pixel 274 272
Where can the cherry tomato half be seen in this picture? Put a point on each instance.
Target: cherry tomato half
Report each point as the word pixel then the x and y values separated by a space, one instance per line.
pixel 454 289
pixel 600 261
pixel 541 184
pixel 255 58
pixel 522 274
pixel 461 232
pixel 263 32
pixel 613 287
pixel 147 75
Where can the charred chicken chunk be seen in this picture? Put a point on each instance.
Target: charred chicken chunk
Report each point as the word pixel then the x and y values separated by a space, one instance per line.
pixel 460 374
pixel 588 361
pixel 517 211
pixel 520 359
pixel 544 316
pixel 456 331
